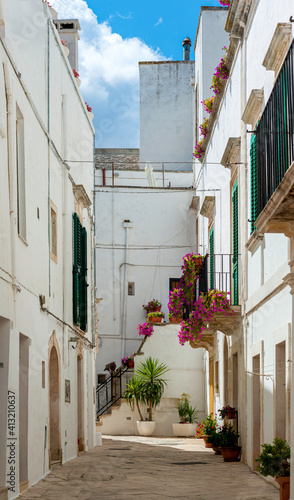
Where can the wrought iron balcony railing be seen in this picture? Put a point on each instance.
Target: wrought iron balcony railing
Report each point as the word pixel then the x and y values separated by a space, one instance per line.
pixel 220 272
pixel 275 135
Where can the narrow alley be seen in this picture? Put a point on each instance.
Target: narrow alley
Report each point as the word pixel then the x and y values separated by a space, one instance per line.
pixel 127 467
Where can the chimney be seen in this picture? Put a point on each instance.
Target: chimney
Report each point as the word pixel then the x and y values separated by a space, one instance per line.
pixel 68 30
pixel 186 48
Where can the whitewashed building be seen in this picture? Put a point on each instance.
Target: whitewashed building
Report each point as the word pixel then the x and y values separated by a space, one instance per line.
pixel 247 167
pixel 47 344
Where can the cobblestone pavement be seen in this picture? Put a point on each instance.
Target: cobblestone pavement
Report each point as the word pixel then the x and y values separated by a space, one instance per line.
pixel 131 467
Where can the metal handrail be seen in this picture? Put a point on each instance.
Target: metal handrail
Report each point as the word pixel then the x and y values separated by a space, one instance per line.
pixel 226 269
pixel 110 391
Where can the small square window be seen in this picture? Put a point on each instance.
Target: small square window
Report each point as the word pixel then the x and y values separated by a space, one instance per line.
pixel 131 288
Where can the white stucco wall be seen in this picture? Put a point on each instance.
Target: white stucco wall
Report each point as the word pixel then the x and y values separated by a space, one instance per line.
pixel 162 233
pixel 186 374
pixel 166 113
pixel 26 269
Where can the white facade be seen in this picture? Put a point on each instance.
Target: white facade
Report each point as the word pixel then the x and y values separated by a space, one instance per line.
pixel 47 362
pixel 254 363
pixel 147 251
pixel 166 114
pixel 186 375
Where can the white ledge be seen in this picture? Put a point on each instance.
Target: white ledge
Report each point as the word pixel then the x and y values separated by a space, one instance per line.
pixel 278 47
pixel 231 151
pixel 207 209
pixel 81 195
pixel 253 107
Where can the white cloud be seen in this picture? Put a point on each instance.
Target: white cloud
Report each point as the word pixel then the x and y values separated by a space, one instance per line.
pixel 160 21
pixel 129 16
pixel 109 72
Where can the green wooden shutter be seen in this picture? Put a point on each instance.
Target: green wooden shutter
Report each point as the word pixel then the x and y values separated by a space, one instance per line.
pixel 253 181
pixel 235 244
pixel 83 282
pixel 211 258
pixel 77 229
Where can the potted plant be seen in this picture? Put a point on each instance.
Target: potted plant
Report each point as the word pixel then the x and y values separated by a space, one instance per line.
pixel 133 394
pixel 274 461
pixel 110 367
pixel 187 415
pixel 150 373
pixel 229 444
pixel 215 440
pixel 66 49
pixel 76 74
pixel 227 411
pixel 152 306
pixel 209 427
pixel 155 317
pixel 128 361
pixel 175 305
pixel 200 430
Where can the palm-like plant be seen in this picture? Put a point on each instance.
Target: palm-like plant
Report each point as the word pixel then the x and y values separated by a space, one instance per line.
pixel 133 394
pixel 150 374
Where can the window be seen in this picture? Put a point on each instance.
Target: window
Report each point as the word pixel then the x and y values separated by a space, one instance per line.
pixel 235 243
pixel 211 258
pixel 173 283
pixel 253 181
pixel 80 285
pixel 53 231
pixel 131 288
pixel 20 172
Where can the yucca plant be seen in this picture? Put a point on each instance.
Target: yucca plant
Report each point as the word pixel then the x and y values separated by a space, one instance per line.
pixel 187 413
pixel 150 374
pixel 133 393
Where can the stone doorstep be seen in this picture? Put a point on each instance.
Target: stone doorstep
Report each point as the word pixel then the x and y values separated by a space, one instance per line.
pixel 23 485
pixel 3 493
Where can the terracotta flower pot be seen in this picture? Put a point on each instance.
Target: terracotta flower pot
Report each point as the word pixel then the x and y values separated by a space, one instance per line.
pixel 216 450
pixel 284 482
pixel 207 445
pixel 175 320
pixel 131 363
pixel 230 453
pixel 155 319
pixel 231 414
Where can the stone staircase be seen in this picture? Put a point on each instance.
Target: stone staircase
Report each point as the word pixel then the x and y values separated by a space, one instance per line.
pixel 108 413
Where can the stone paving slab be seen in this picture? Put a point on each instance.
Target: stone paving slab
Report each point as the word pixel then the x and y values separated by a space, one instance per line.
pixel 127 467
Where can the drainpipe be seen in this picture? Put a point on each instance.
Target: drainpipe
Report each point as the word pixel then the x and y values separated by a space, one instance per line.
pixel 12 177
pixel 126 225
pixel 64 217
pixel 48 140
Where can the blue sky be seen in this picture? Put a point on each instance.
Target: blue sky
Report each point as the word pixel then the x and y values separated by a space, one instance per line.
pixel 115 36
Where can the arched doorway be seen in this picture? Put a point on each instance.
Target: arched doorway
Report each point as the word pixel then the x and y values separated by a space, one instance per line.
pixel 54 407
pixel 80 405
pixel 226 369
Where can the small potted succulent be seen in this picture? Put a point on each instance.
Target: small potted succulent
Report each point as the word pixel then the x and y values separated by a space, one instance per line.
pixel 187 415
pixel 128 361
pixel 274 461
pixel 227 411
pixel 229 444
pixel 153 306
pixel 110 367
pixel 155 317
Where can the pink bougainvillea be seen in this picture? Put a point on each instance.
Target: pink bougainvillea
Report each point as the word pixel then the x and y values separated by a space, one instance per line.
pixel 198 151
pixel 207 104
pixel 225 3
pixel 204 310
pixel 221 73
pixel 203 127
pixel 145 329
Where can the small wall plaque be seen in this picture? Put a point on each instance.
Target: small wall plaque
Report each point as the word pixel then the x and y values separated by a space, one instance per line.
pixel 67 391
pixel 1 365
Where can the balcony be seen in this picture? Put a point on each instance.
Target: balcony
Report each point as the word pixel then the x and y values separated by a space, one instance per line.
pixel 220 272
pixel 275 156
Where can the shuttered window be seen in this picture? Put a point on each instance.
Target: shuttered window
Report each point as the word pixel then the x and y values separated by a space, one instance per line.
pixel 235 244
pixel 80 286
pixel 253 181
pixel 211 258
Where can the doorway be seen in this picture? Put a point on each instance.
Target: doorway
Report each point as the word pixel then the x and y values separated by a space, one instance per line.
pixel 256 413
pixel 280 392
pixel 80 400
pixel 54 407
pixel 23 409
pixel 211 385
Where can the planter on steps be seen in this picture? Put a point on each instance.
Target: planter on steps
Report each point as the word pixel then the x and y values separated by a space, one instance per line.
pixel 146 427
